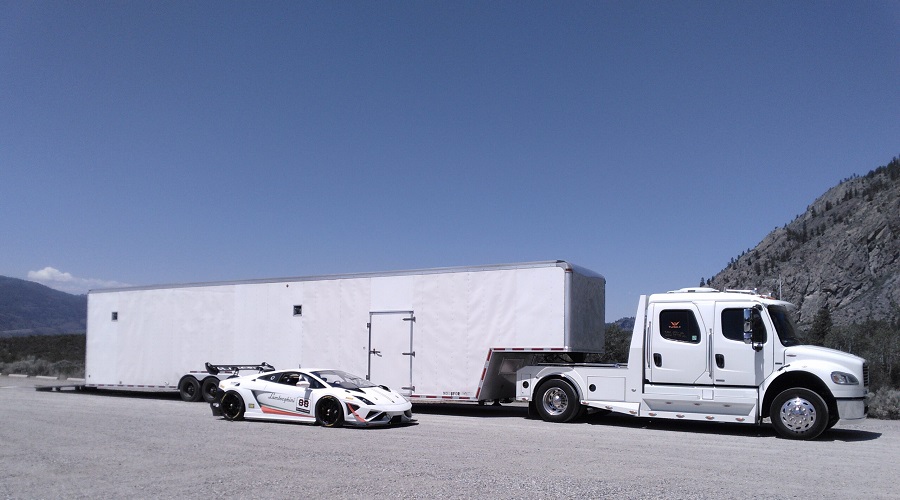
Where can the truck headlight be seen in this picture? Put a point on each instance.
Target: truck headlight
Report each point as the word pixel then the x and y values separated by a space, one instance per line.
pixel 842 378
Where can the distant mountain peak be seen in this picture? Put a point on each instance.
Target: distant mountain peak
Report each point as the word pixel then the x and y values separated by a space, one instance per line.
pixel 29 308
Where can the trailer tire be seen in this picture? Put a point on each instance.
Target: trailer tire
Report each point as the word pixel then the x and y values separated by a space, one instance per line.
pixel 209 388
pixel 189 388
pixel 557 401
pixel 799 413
pixel 232 406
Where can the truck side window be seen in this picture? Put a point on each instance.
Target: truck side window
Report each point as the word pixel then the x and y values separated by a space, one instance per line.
pixel 679 325
pixel 733 324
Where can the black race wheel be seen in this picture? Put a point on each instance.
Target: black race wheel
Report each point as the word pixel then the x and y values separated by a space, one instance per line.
pixel 557 401
pixel 209 388
pixel 232 406
pixel 329 413
pixel 189 388
pixel 799 414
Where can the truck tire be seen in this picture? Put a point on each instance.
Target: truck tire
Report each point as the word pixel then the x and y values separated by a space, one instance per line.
pixel 232 406
pixel 209 388
pixel 189 388
pixel 798 413
pixel 556 401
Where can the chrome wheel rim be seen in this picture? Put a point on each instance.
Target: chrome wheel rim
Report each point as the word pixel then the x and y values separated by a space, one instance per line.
pixel 555 401
pixel 798 414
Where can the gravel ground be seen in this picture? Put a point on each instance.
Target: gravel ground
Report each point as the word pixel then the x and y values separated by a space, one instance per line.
pixel 99 444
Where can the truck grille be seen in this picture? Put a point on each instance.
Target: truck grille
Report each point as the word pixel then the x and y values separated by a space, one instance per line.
pixel 865 374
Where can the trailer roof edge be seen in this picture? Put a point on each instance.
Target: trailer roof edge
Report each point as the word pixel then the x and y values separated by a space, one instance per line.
pixel 411 272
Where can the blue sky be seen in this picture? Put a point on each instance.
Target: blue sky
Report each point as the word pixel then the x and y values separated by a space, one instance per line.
pixel 166 142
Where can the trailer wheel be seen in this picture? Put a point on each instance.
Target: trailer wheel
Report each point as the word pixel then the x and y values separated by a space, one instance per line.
pixel 189 388
pixel 799 414
pixel 557 401
pixel 329 413
pixel 209 388
pixel 232 406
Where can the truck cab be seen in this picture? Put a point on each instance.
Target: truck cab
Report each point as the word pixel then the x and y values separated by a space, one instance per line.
pixel 702 354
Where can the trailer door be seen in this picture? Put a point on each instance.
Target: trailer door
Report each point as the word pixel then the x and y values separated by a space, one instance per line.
pixel 391 352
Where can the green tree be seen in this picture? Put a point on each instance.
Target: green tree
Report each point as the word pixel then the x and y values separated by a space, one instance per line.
pixel 821 327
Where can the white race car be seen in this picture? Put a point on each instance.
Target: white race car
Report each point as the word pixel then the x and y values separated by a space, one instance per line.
pixel 328 397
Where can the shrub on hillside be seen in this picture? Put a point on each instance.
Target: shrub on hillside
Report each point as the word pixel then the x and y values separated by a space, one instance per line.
pixel 885 403
pixel 32 367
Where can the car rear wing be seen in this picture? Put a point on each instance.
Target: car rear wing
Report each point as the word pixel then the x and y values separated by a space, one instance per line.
pixel 215 369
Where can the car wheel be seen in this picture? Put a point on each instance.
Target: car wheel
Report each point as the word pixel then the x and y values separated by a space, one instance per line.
pixel 209 388
pixel 232 406
pixel 189 388
pixel 799 414
pixel 557 401
pixel 329 413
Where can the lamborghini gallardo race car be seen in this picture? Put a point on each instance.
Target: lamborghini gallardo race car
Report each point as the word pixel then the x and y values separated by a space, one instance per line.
pixel 331 398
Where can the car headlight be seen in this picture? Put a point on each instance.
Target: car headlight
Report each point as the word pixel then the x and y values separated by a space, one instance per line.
pixel 842 378
pixel 364 400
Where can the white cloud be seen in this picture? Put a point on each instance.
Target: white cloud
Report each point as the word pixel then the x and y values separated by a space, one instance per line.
pixel 65 282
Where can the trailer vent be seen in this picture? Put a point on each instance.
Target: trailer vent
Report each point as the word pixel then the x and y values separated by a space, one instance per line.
pixel 115 316
pixel 298 310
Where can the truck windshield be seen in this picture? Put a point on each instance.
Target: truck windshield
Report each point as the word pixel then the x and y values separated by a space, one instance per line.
pixel 784 325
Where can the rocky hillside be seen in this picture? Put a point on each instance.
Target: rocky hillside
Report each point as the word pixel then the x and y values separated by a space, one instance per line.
pixel 842 254
pixel 29 308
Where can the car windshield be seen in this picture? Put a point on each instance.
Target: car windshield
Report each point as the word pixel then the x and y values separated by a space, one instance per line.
pixel 784 325
pixel 337 378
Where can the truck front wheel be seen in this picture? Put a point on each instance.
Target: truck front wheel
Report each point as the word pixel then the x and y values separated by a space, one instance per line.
pixel 799 414
pixel 557 401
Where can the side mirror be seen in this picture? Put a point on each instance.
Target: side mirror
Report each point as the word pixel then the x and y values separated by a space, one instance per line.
pixel 748 325
pixel 303 384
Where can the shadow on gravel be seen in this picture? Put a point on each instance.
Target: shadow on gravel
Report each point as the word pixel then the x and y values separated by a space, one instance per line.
pixel 612 420
pixel 720 428
pixel 472 410
pixel 171 395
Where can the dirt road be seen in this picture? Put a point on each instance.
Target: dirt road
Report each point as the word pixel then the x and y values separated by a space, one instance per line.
pixel 91 445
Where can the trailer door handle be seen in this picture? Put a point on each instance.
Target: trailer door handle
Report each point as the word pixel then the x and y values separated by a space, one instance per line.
pixel 413 354
pixel 377 353
pixel 657 359
pixel 720 360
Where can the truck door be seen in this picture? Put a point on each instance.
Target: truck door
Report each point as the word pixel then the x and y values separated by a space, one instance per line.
pixel 679 345
pixel 391 349
pixel 736 363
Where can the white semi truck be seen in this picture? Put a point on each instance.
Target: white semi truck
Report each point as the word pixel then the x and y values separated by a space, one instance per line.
pixel 702 354
pixel 485 333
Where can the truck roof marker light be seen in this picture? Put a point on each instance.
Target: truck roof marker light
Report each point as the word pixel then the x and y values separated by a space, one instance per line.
pixel 710 417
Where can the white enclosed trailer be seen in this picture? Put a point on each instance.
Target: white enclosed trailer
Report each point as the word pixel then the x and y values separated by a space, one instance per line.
pixel 451 333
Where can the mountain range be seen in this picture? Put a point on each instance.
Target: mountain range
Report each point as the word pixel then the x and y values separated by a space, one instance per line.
pixel 29 308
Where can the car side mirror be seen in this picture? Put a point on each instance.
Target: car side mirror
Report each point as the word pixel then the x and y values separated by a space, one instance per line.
pixel 303 384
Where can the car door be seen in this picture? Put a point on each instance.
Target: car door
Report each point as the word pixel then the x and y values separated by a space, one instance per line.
pixel 281 396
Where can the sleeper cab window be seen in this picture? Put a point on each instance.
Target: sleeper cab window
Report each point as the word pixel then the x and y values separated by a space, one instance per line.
pixel 679 325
